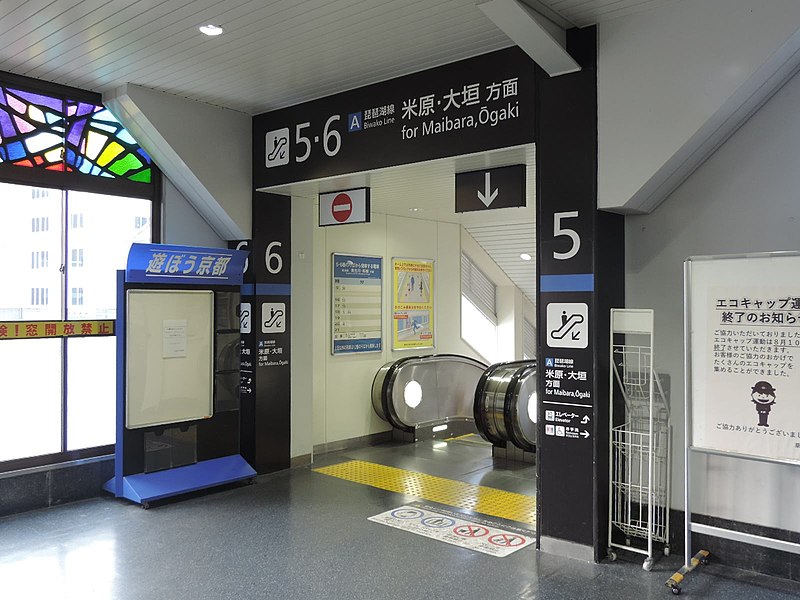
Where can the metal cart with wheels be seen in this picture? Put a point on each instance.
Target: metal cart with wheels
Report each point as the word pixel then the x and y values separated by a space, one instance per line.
pixel 640 452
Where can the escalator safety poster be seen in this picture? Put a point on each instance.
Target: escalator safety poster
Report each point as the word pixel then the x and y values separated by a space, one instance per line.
pixel 412 303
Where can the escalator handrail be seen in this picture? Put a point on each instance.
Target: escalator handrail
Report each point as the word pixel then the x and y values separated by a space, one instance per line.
pixel 386 397
pixel 508 416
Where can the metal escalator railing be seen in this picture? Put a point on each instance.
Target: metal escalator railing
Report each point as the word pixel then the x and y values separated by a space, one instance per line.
pixel 505 405
pixel 425 390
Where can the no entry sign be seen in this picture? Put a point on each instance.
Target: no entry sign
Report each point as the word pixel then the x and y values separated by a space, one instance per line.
pixel 344 207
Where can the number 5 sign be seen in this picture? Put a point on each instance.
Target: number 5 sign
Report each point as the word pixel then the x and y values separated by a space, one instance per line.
pixel 559 230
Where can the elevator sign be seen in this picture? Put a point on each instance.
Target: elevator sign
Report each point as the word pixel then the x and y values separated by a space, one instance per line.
pixel 341 208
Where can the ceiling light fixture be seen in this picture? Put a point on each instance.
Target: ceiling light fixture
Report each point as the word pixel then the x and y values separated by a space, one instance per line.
pixel 414 209
pixel 210 29
pixel 525 256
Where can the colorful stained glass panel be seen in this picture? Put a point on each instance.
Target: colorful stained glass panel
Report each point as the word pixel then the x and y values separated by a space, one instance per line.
pixel 42 131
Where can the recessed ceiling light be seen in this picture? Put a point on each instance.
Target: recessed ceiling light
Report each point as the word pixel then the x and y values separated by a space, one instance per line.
pixel 210 29
pixel 525 256
pixel 414 209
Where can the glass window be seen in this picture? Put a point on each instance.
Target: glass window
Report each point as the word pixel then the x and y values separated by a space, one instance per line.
pixel 54 139
pixel 478 312
pixel 478 330
pixel 17 209
pixel 77 257
pixel 104 243
pixel 91 392
pixel 30 405
pixel 476 286
pixel 33 404
pixel 528 340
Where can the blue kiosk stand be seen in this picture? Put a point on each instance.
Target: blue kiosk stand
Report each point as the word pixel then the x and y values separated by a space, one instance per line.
pixel 178 343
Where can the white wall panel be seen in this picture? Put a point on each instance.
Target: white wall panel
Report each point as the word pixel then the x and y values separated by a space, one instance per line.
pixel 204 150
pixel 181 223
pixel 743 199
pixel 665 78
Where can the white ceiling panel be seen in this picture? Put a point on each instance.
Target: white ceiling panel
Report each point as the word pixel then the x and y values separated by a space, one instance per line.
pixel 272 54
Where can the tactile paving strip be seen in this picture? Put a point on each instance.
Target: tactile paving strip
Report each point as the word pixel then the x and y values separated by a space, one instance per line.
pixel 477 498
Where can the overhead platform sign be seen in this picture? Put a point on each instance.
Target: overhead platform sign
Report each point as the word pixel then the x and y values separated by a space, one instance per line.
pixel 474 105
pixel 487 189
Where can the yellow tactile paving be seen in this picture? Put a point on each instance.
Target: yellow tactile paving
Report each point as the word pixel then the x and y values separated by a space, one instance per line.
pixel 478 498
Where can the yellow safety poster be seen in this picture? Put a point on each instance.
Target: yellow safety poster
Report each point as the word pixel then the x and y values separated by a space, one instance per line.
pixel 412 303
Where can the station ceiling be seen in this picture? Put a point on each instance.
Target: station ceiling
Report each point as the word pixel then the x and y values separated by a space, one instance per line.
pixel 277 53
pixel 272 54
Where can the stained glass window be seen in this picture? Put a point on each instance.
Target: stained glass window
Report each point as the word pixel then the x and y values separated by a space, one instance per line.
pixel 60 134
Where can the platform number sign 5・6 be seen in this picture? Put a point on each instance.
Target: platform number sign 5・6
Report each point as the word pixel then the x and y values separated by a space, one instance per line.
pixel 559 230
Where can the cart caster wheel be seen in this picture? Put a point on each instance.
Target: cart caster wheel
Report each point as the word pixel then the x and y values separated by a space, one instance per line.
pixel 145 505
pixel 627 541
pixel 666 550
pixel 675 589
pixel 704 561
pixel 612 556
pixel 251 481
pixel 647 565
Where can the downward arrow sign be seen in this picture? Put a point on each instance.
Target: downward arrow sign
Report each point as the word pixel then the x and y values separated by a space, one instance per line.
pixel 488 196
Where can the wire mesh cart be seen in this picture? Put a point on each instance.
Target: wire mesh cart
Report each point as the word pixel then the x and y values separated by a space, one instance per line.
pixel 640 432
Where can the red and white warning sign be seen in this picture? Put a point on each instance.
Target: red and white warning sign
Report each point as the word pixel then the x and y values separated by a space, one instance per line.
pixel 347 206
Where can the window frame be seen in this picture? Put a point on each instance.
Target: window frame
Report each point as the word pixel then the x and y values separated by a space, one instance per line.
pixel 67 182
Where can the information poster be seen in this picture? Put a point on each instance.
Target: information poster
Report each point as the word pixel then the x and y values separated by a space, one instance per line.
pixel 745 355
pixel 412 303
pixel 356 298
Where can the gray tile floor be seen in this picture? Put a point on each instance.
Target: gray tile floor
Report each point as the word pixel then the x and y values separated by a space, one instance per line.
pixel 300 534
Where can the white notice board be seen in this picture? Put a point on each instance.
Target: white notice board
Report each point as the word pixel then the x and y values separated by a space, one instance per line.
pixel 743 333
pixel 168 356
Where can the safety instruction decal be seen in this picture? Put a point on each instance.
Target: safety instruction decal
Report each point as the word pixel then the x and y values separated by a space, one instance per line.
pixel 454 530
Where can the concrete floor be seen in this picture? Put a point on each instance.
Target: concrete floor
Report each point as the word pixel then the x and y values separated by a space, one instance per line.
pixel 300 534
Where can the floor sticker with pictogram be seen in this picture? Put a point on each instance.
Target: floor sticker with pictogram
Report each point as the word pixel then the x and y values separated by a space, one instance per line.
pixel 456 531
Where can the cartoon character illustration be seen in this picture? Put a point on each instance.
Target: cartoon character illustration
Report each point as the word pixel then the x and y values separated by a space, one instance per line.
pixel 763 397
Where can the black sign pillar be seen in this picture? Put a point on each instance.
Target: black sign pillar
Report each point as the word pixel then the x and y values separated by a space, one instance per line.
pixel 574 295
pixel 266 391
pixel 247 380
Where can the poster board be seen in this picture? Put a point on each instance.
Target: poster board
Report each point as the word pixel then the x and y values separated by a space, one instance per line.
pixel 743 354
pixel 169 356
pixel 412 304
pixel 356 304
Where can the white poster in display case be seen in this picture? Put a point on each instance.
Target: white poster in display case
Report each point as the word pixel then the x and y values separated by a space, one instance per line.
pixel 744 343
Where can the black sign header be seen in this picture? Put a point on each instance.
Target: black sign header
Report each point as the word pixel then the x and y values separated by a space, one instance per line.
pixel 474 105
pixel 503 187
